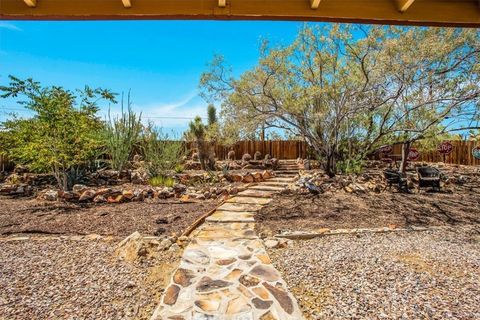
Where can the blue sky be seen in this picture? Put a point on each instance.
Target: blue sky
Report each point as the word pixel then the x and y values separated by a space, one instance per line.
pixel 159 61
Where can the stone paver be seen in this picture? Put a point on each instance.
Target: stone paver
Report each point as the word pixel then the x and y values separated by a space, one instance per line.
pixel 225 272
pixel 231 216
pixel 249 200
pixel 256 193
pixel 266 188
pixel 240 207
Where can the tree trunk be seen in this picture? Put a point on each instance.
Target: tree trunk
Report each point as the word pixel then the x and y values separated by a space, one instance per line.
pixel 330 164
pixel 405 151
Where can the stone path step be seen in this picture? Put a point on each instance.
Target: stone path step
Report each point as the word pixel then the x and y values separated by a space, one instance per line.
pixel 231 216
pixel 256 193
pixel 225 272
pixel 249 200
pixel 263 187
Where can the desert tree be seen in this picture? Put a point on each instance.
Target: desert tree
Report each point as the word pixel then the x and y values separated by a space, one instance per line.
pixel 347 89
pixel 64 134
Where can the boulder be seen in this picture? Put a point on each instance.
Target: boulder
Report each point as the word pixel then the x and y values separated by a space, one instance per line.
pixel 79 189
pixel 266 175
pixel 103 191
pixel 231 155
pixel 271 243
pixel 257 176
pixel 232 165
pixel 248 178
pixel 246 157
pixel 236 177
pixel 128 194
pixel 51 195
pixel 68 195
pixel 179 188
pixel 19 169
pixel 139 176
pixel 87 195
pixel 115 199
pixel 131 248
pixel 8 188
pixel 100 199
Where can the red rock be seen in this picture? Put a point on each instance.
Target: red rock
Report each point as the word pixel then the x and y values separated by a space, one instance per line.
pixel 115 199
pixel 266 175
pixel 103 191
pixel 257 176
pixel 99 199
pixel 87 195
pixel 128 194
pixel 248 178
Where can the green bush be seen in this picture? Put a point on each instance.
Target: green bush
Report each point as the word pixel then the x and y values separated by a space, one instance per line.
pixel 161 154
pixel 161 181
pixel 62 136
pixel 350 166
pixel 121 134
pixel 179 168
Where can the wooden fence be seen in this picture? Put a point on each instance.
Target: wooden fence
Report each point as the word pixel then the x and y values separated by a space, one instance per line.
pixel 461 153
pixel 280 149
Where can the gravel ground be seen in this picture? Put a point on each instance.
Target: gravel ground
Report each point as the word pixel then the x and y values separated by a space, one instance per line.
pixel 65 279
pixel 407 275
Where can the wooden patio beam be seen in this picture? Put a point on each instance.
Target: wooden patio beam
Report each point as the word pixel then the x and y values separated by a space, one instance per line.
pixel 314 4
pixel 460 13
pixel 403 5
pixel 31 3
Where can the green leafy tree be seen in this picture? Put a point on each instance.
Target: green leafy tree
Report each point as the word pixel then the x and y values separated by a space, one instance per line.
pixel 348 89
pixel 64 134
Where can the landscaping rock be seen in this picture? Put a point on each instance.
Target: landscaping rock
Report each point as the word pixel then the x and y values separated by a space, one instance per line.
pixel 87 195
pixel 248 178
pixel 179 188
pixel 99 199
pixel 131 248
pixel 51 195
pixel 79 189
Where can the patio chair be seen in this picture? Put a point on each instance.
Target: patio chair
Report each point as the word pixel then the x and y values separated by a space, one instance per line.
pixel 429 177
pixel 396 178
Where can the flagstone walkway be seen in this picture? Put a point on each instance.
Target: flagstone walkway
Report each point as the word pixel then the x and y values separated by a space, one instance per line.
pixel 225 272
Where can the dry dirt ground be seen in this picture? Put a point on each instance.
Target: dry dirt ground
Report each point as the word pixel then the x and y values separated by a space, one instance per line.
pixel 70 278
pixel 294 212
pixel 23 216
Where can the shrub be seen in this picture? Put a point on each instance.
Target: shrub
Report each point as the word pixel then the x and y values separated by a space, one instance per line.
pixel 179 168
pixel 62 137
pixel 121 134
pixel 159 181
pixel 350 166
pixel 161 154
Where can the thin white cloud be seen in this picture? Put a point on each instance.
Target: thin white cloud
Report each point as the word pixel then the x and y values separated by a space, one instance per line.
pixel 172 115
pixel 9 26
